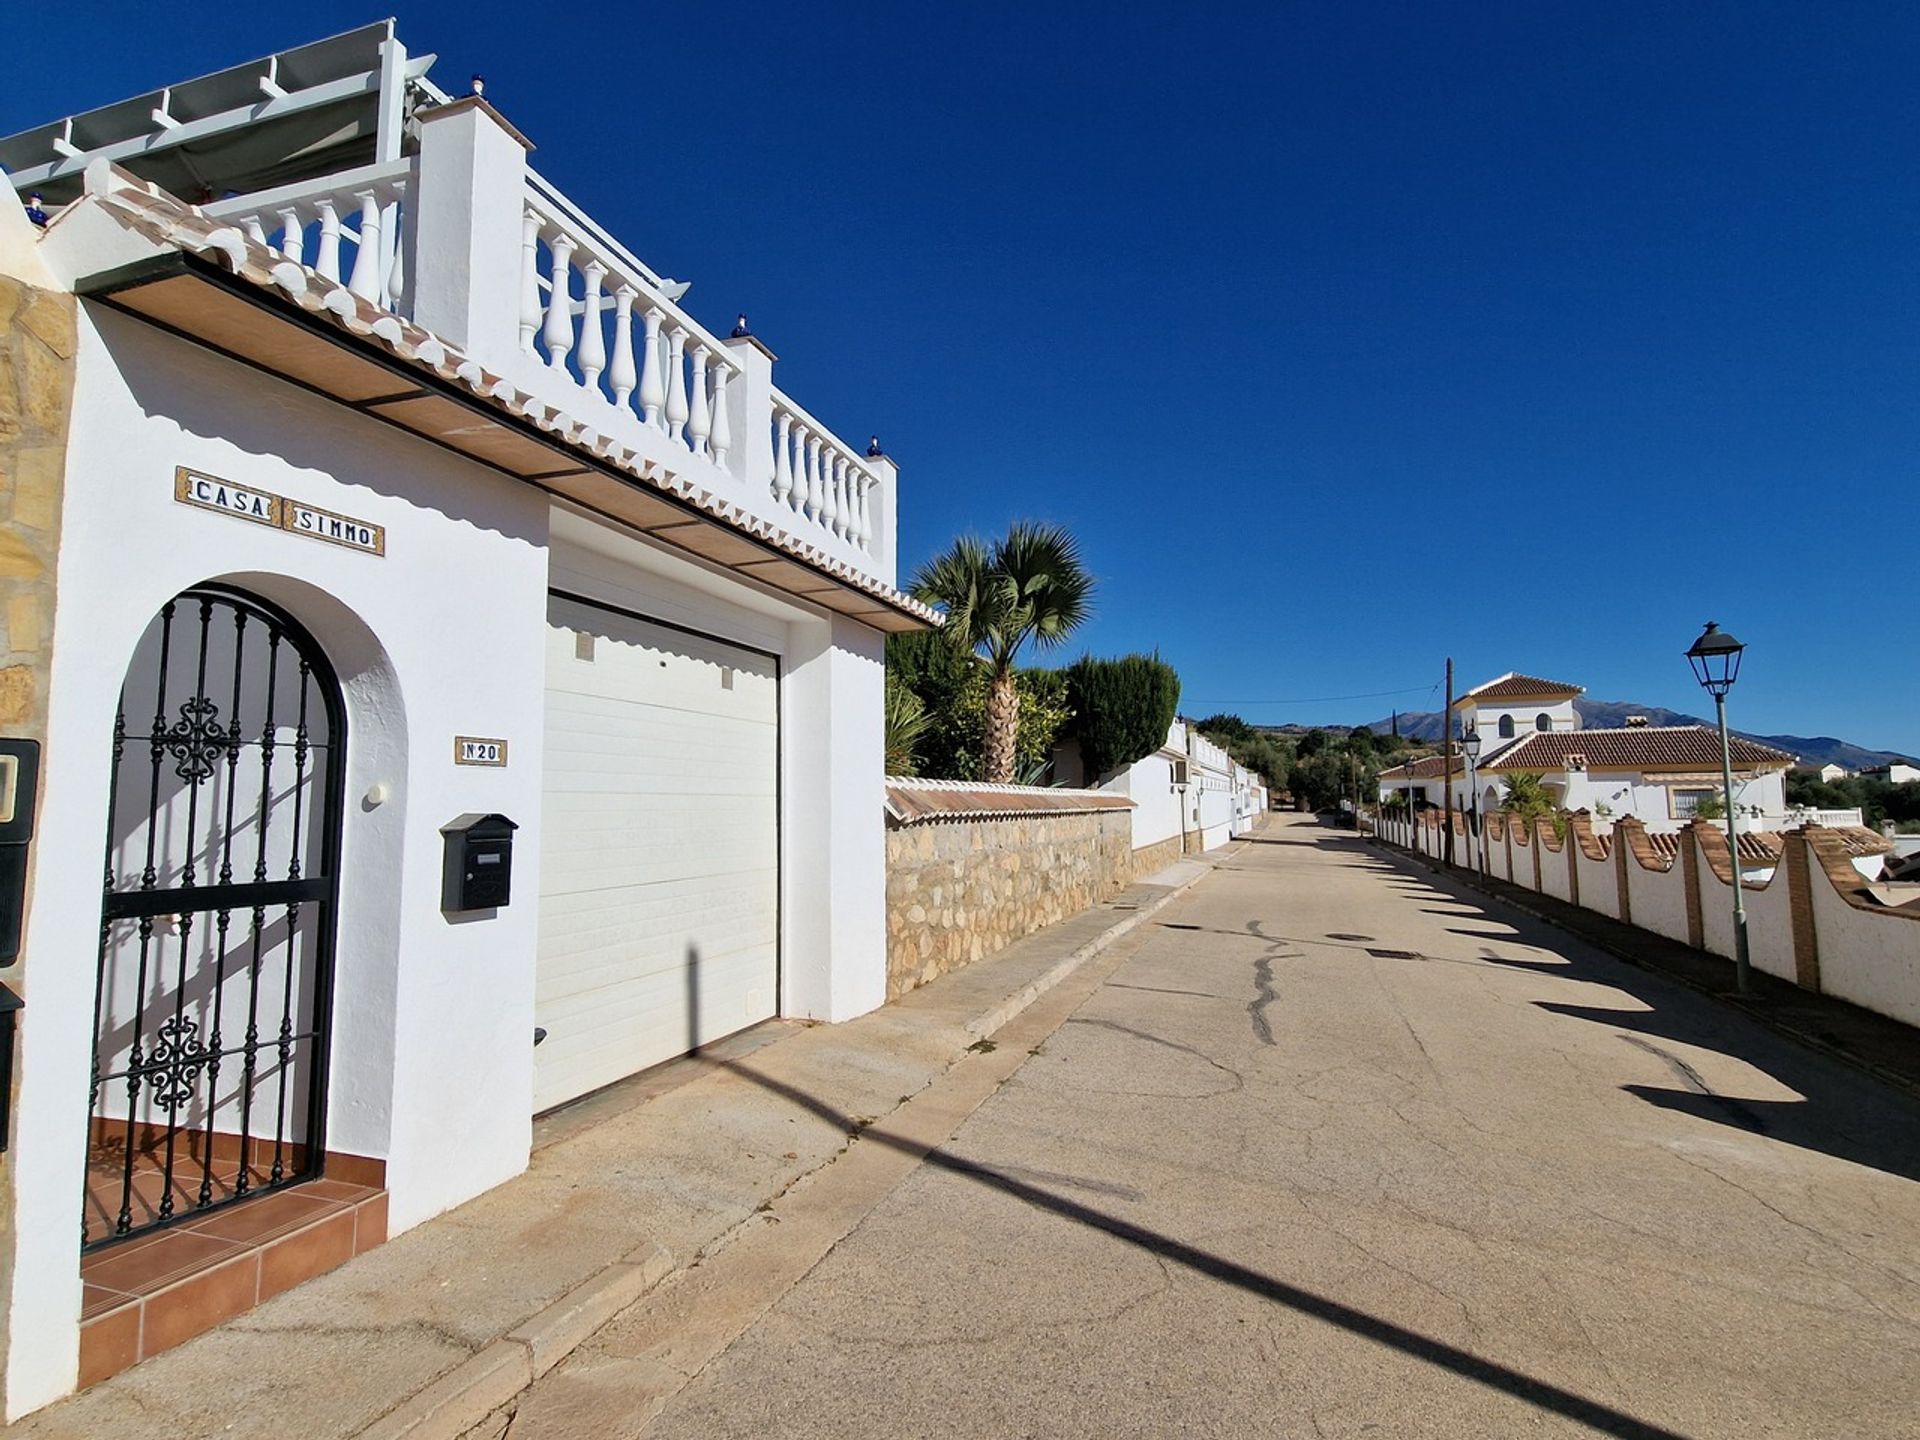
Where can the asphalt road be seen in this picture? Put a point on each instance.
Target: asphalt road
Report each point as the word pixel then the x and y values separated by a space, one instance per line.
pixel 1328 1150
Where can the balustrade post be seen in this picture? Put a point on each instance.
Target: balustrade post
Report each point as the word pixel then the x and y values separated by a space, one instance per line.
pixel 699 413
pixel 620 374
pixel 531 311
pixel 559 329
pixel 293 235
pixel 256 231
pixel 782 468
pixel 327 260
pixel 676 385
pixel 831 466
pixel 396 258
pixel 653 390
pixel 367 281
pixel 814 489
pixel 593 340
pixel 722 441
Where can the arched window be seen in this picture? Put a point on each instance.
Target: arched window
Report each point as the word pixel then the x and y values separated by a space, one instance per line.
pixel 1506 727
pixel 1543 721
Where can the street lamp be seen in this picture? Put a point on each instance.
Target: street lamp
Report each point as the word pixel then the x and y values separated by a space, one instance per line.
pixel 1470 746
pixel 1715 658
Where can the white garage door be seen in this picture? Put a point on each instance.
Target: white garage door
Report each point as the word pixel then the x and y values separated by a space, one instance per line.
pixel 659 869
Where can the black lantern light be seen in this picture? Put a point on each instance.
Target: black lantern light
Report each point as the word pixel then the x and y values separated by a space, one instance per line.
pixel 1715 658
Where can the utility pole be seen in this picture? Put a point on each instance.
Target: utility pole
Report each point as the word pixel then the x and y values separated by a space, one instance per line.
pixel 1446 770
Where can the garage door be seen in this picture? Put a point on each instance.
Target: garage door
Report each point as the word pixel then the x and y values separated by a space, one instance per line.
pixel 659 869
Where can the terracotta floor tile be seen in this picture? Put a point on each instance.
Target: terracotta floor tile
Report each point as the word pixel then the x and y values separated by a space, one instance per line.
pixel 340 1190
pixel 109 1345
pixel 182 1311
pixel 97 1299
pixel 371 1223
pixel 306 1253
pixel 255 1221
pixel 150 1267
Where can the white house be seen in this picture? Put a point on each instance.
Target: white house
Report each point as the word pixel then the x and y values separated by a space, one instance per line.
pixel 466 663
pixel 1189 795
pixel 1658 774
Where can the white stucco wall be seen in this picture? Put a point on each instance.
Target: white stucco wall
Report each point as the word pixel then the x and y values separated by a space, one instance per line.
pixel 462 581
pixel 1868 958
pixel 1659 898
pixel 444 635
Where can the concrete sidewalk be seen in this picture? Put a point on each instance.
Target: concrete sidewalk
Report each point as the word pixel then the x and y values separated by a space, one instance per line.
pixel 429 1333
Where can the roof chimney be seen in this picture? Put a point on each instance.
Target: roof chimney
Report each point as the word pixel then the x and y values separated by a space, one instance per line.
pixel 1634 721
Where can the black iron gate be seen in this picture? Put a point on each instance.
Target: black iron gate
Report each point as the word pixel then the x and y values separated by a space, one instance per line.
pixel 213 994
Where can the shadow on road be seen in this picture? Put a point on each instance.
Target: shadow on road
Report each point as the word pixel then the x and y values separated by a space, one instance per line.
pixel 1490 1373
pixel 1843 1113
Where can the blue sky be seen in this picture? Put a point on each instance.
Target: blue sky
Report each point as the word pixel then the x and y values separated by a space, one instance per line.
pixel 1345 337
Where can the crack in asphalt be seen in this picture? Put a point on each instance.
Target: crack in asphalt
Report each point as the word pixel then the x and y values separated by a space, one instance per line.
pixel 1691 1078
pixel 1239 1080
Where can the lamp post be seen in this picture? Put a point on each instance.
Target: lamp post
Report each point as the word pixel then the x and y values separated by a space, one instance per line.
pixel 1470 746
pixel 1715 658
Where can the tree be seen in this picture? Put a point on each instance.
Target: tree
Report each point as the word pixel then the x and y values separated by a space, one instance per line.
pixel 1311 744
pixel 1227 729
pixel 1030 585
pixel 1711 807
pixel 906 721
pixel 1122 709
pixel 1527 796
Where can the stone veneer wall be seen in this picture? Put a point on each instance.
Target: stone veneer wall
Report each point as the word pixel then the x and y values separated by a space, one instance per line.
pixel 1149 859
pixel 961 888
pixel 37 337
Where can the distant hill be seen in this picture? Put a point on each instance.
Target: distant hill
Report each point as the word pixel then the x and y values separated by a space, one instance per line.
pixel 1612 714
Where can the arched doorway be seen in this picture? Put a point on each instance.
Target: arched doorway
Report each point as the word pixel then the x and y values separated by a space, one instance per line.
pixel 212 999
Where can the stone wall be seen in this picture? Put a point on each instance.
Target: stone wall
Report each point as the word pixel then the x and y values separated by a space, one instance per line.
pixel 36 397
pixel 962 887
pixel 1149 859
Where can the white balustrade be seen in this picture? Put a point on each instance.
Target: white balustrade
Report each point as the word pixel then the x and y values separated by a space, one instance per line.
pixel 817 479
pixel 358 220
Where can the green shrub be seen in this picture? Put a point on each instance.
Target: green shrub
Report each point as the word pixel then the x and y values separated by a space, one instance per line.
pixel 1122 709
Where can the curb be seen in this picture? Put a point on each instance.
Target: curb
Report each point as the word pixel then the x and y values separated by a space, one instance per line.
pixel 467 1394
pixel 1756 1013
pixel 475 1388
pixel 995 1018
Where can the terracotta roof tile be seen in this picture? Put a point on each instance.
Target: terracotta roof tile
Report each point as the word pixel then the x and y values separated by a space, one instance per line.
pixel 1515 686
pixel 913 801
pixel 1426 768
pixel 1636 747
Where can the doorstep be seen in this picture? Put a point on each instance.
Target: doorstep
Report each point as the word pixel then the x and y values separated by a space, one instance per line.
pixel 149 1294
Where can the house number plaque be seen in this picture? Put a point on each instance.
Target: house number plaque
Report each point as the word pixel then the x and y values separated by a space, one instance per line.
pixel 478 750
pixel 277 512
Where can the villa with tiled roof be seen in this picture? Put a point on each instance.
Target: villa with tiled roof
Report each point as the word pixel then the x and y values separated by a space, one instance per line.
pixel 1657 773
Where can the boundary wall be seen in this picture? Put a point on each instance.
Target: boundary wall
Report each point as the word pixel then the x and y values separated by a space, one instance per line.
pixel 1814 922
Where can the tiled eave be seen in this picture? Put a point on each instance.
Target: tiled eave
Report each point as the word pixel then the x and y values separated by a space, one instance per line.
pixel 213 286
pixel 915 802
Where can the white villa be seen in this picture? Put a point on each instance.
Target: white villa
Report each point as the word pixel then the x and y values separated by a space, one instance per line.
pixel 1657 773
pixel 455 674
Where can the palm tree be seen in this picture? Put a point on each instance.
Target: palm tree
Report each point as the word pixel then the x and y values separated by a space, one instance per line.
pixel 1527 796
pixel 1029 586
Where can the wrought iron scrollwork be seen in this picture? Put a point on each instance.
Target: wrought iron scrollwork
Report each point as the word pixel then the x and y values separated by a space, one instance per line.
pixel 175 1063
pixel 197 740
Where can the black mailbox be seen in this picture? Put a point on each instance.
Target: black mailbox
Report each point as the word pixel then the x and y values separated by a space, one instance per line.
pixel 19 776
pixel 478 873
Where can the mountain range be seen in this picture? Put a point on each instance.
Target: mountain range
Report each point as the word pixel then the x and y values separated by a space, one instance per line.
pixel 1612 715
